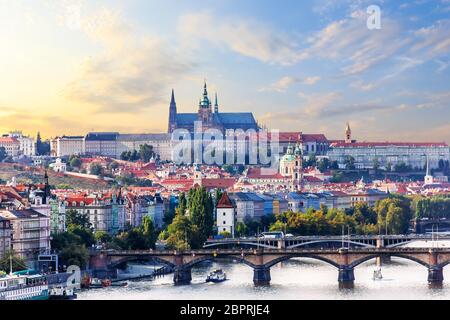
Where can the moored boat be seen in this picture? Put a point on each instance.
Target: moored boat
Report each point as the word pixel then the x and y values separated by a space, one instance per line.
pixel 24 287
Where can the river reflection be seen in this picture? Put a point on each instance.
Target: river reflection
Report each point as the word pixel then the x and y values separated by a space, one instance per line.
pixel 291 280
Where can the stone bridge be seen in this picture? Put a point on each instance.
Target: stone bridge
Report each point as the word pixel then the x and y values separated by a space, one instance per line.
pixel 261 260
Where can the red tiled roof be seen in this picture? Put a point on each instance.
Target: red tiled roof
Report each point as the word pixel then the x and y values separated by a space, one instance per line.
pixel 218 183
pixel 312 179
pixel 314 138
pixel 8 140
pixel 78 200
pixel 387 144
pixel 255 173
pixel 224 202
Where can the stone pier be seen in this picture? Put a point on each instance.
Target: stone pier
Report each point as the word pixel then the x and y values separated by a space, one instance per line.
pixel 261 276
pixel 182 275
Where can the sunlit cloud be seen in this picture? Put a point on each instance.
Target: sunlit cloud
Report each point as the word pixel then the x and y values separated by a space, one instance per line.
pixel 134 72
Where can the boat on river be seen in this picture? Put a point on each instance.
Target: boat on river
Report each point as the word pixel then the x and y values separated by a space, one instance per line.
pixel 17 286
pixel 216 276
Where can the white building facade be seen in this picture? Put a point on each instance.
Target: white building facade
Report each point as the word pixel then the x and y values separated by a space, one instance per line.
pixel 386 154
pixel 67 146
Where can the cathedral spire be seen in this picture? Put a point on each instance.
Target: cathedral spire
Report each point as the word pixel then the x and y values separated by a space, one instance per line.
pixel 205 90
pixel 172 113
pixel 172 100
pixel 216 105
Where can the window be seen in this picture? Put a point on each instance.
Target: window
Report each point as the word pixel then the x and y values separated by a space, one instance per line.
pixel 224 214
pixel 224 222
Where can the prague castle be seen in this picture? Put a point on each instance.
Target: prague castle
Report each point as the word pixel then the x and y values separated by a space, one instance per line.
pixel 208 117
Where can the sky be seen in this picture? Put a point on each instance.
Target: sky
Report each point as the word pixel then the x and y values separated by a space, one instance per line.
pixel 69 67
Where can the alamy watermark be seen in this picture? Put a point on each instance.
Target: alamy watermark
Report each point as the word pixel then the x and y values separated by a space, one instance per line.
pixel 213 147
pixel 374 19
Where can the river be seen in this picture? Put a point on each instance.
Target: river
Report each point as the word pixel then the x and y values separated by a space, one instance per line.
pixel 296 279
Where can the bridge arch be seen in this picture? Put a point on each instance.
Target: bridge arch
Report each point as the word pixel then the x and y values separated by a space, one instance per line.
pixel 213 258
pixel 115 264
pixel 444 264
pixel 302 244
pixel 310 256
pixel 374 256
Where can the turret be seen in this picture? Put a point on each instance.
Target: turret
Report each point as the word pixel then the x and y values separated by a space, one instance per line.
pixel 172 114
pixel 205 107
pixel 216 105
pixel 348 134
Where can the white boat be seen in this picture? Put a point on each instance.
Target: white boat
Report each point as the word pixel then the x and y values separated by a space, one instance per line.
pixel 23 287
pixel 377 275
pixel 217 276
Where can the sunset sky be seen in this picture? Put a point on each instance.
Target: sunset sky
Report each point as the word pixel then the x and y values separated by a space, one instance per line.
pixel 69 67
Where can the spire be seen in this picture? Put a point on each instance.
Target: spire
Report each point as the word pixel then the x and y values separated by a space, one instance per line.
pixel 205 90
pixel 216 105
pixel 348 134
pixel 172 113
pixel 428 166
pixel 172 100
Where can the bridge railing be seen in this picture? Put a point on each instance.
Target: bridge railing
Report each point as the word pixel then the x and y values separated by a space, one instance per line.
pixel 235 252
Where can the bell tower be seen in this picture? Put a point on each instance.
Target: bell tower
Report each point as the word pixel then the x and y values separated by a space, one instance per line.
pixel 348 134
pixel 205 108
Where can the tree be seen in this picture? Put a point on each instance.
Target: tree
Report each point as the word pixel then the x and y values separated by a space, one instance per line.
pixel 75 162
pixel 146 152
pixel 113 165
pixel 148 231
pixel 402 167
pixel 350 163
pixel 241 229
pixel 217 196
pixel 102 237
pixel 74 254
pixel 3 154
pixel 376 164
pixel 200 205
pixel 96 169
pixel 180 232
pixel 42 148
pixel 323 165
pixel 76 219
pixel 18 263
pixel 125 155
pixel 394 214
pixel 334 165
pixel 337 177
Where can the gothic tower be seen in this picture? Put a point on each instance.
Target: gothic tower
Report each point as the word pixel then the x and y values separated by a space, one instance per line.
pixel 297 176
pixel 216 105
pixel 205 108
pixel 348 134
pixel 172 114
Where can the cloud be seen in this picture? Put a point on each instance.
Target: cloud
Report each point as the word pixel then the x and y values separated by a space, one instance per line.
pixel 311 80
pixel 32 122
pixel 246 37
pixel 433 41
pixel 133 73
pixel 363 86
pixel 281 85
pixel 286 82
pixel 352 43
pixel 317 104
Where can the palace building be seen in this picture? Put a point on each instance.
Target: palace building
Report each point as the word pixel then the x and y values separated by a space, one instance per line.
pixel 209 117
